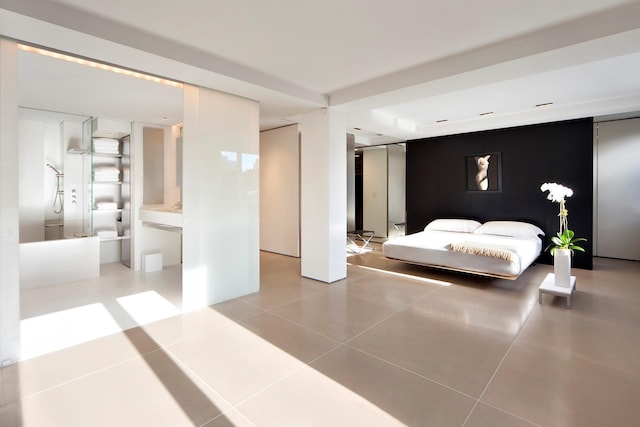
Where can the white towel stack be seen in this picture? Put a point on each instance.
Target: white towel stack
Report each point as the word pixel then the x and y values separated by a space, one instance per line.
pixel 106 146
pixel 107 234
pixel 106 173
pixel 106 205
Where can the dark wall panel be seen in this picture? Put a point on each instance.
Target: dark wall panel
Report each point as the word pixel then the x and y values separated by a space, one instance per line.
pixel 559 152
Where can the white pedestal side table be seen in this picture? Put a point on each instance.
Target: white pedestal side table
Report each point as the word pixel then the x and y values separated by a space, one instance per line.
pixel 548 286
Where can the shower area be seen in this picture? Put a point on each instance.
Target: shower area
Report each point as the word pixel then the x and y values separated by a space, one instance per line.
pixel 54 228
pixel 54 171
pixel 55 199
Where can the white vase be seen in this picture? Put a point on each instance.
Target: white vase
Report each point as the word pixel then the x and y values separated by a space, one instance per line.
pixel 562 267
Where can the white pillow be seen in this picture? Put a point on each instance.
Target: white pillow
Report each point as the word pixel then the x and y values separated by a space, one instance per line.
pixel 509 228
pixel 457 225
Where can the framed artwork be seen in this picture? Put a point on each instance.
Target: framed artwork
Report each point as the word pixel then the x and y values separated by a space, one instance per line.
pixel 484 172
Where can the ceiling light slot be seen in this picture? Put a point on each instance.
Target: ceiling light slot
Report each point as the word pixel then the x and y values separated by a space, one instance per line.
pixel 98 65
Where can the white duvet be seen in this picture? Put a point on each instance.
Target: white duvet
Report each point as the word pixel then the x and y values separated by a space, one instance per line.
pixel 433 248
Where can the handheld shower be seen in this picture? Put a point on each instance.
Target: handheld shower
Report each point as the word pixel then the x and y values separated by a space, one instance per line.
pixel 58 198
pixel 58 173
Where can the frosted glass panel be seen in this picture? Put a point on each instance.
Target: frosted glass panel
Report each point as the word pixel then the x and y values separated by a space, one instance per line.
pixel 220 197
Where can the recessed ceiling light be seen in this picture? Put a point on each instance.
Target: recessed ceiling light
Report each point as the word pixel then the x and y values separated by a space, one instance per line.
pixel 488 113
pixel 164 118
pixel 357 129
pixel 545 104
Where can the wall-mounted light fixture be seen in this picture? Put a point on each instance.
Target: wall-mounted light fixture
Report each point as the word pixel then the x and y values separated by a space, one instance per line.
pixel 98 65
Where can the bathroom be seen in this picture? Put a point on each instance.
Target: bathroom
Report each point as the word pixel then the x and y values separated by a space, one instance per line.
pixel 58 195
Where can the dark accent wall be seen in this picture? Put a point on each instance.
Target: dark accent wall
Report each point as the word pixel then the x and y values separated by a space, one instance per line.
pixel 559 152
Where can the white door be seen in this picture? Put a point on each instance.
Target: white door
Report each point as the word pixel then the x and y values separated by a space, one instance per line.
pixel 618 189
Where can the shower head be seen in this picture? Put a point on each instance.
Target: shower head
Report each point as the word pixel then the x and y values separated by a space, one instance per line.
pixel 58 173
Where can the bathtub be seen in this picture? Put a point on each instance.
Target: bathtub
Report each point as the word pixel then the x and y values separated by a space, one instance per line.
pixel 58 261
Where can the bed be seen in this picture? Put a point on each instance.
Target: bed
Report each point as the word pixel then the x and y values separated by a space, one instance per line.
pixel 503 249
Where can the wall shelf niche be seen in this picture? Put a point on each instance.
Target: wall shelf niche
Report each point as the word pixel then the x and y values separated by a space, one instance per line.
pixel 111 189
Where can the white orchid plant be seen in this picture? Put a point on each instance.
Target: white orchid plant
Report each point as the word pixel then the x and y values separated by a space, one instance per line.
pixel 565 238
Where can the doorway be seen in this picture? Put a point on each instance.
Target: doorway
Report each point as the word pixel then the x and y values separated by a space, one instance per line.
pixel 117 297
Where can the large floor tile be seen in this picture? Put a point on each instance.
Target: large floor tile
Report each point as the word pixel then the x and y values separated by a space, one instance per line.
pixel 383 351
pixel 231 418
pixel 302 343
pixel 610 277
pixel 178 328
pixel 51 299
pixel 235 362
pixel 154 390
pixel 337 313
pixel 553 389
pixel 460 356
pixel 41 373
pixel 499 311
pixel 589 338
pixel 487 416
pixel 236 309
pixel 271 297
pixel 309 398
pixel 407 397
pixel 389 287
pixel 601 305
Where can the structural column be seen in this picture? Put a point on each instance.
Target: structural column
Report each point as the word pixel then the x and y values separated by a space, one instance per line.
pixel 9 220
pixel 220 201
pixel 323 202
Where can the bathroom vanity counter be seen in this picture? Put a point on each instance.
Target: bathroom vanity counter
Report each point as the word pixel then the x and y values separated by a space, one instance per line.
pixel 162 216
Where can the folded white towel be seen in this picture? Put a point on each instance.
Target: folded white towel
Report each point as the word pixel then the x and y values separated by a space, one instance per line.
pixel 105 234
pixel 107 169
pixel 106 173
pixel 106 205
pixel 106 142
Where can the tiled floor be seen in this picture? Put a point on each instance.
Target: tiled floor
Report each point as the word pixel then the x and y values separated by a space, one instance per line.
pixel 392 344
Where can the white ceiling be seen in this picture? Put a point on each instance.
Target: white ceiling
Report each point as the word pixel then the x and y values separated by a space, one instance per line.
pixel 397 69
pixel 50 84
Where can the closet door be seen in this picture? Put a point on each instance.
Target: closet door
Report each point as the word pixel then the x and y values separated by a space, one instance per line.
pixel 618 189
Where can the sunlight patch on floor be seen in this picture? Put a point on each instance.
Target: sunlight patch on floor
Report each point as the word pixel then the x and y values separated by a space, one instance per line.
pixel 147 307
pixel 62 329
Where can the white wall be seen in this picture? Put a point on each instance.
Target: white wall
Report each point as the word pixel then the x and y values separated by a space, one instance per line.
pixel 31 181
pixel 75 180
pixel 617 213
pixel 221 209
pixel 374 191
pixel 280 191
pixel 9 206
